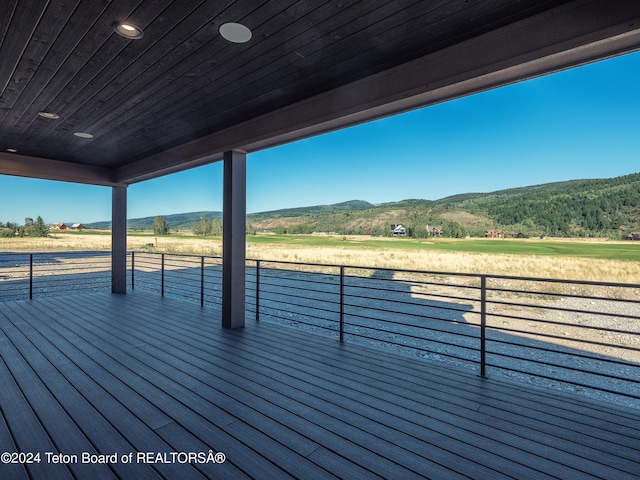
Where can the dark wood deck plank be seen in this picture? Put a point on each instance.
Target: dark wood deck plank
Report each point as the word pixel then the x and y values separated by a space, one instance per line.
pixel 159 370
pixel 281 402
pixel 349 422
pixel 166 397
pixel 29 436
pixel 524 397
pixel 532 427
pixel 554 467
pixel 582 459
pixel 238 403
pixel 444 431
pixel 332 424
pixel 95 416
pixel 510 438
pixel 8 471
pixel 608 452
pixel 128 413
pixel 53 430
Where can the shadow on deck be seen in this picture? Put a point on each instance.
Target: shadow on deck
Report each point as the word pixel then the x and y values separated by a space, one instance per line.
pixel 159 379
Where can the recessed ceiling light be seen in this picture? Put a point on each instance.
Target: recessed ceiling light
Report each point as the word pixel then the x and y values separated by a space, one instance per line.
pixel 235 32
pixel 83 135
pixel 128 30
pixel 50 115
pixel 12 150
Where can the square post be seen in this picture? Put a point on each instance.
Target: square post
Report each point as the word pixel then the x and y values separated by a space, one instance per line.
pixel 234 239
pixel 119 240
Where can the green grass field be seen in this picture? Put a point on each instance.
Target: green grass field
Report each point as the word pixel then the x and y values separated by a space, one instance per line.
pixel 606 250
pixel 587 249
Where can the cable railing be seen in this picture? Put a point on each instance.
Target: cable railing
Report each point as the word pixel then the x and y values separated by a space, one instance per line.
pixel 28 275
pixel 196 278
pixel 570 335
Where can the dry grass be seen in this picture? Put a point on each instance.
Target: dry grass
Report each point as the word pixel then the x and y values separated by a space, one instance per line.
pixel 517 265
pixel 66 241
pixel 56 242
pixel 575 268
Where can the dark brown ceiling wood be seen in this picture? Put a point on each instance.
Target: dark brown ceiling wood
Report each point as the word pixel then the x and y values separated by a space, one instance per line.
pixel 152 95
pixel 202 67
pixel 182 95
pixel 97 72
pixel 22 20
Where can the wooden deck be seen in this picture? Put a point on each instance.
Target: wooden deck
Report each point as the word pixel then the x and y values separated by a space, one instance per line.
pixel 128 374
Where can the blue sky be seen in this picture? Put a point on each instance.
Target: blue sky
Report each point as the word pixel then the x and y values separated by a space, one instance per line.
pixel 581 123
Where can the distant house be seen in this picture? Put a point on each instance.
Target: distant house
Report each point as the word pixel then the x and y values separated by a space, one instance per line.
pixel 77 226
pixel 434 230
pixel 398 230
pixel 58 226
pixel 634 236
pixel 503 234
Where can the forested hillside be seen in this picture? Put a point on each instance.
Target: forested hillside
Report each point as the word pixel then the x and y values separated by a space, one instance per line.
pixel 580 208
pixel 577 208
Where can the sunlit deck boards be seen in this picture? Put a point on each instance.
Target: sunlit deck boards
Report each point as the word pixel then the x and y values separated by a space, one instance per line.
pixel 106 374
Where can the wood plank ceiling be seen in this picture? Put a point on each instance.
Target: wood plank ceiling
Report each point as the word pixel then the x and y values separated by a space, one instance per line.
pixel 182 94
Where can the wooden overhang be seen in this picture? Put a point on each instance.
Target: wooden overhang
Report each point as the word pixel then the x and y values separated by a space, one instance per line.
pixel 182 95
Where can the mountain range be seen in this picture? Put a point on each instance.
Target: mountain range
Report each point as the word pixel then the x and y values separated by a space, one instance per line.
pixel 575 208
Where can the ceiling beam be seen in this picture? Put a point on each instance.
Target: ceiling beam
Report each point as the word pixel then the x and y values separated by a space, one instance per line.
pixel 47 169
pixel 577 33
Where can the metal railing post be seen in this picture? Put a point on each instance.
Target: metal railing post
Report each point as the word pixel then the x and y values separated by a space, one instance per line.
pixel 31 276
pixel 162 277
pixel 133 269
pixel 483 326
pixel 202 281
pixel 342 304
pixel 257 290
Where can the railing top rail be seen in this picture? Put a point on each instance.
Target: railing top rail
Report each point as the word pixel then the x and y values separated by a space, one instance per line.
pixel 56 252
pixel 362 267
pixel 562 280
pixel 174 254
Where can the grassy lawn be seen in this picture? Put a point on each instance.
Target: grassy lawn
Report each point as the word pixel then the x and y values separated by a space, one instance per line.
pixel 586 249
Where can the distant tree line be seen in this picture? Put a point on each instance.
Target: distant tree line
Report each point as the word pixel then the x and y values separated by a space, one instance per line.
pixel 203 227
pixel 30 228
pixel 586 213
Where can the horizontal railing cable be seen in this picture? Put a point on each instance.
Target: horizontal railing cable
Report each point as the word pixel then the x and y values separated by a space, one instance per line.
pixel 577 325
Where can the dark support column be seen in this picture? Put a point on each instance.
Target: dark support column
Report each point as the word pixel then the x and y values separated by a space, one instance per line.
pixel 119 240
pixel 234 239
